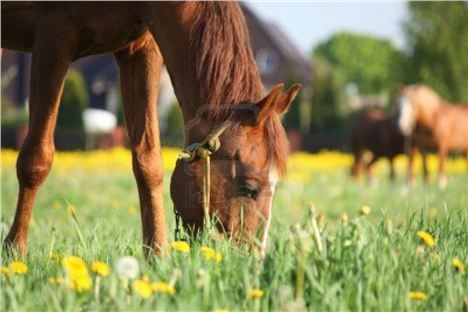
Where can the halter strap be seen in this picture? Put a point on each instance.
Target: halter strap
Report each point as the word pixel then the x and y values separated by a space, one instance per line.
pixel 202 150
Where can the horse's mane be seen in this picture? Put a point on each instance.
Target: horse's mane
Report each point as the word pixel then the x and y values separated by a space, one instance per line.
pixel 226 71
pixel 225 67
pixel 431 100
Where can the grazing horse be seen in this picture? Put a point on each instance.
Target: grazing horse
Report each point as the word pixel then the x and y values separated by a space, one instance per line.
pixel 430 122
pixel 373 130
pixel 205 46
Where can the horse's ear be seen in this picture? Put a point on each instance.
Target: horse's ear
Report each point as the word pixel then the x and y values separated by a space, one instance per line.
pixel 286 99
pixel 268 104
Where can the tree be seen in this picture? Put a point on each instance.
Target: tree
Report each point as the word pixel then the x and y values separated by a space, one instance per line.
pixel 292 119
pixel 437 38
pixel 327 97
pixel 372 63
pixel 73 102
pixel 174 134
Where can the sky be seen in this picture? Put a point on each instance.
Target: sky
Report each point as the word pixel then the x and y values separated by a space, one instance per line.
pixel 308 23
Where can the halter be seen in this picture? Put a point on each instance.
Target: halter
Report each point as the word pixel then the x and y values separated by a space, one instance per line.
pixel 202 150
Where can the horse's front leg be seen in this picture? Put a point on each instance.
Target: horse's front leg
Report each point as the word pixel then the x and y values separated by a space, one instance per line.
pixel 140 69
pixel 391 163
pixel 442 157
pixel 411 155
pixel 51 57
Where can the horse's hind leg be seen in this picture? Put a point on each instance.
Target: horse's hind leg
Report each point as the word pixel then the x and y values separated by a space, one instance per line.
pixel 50 60
pixel 368 168
pixel 357 164
pixel 425 166
pixel 140 69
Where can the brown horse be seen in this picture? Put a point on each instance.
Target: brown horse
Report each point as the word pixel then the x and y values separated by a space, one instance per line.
pixel 373 130
pixel 430 122
pixel 206 49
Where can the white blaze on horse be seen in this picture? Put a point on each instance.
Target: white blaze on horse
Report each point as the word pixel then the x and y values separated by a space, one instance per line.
pixel 431 122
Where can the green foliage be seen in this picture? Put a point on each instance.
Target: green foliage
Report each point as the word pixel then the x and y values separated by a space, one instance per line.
pixel 174 133
pixel 437 34
pixel 327 98
pixel 13 117
pixel 73 102
pixel 373 64
pixel 293 118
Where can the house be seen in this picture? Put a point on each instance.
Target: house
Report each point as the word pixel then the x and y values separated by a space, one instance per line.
pixel 278 60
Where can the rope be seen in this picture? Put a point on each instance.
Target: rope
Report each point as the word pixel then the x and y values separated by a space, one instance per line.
pixel 203 151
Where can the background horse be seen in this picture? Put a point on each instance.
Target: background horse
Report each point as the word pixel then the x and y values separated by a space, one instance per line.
pixel 430 122
pixel 373 130
pixel 206 50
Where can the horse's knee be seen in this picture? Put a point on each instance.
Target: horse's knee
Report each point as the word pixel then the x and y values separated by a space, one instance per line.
pixel 147 167
pixel 33 164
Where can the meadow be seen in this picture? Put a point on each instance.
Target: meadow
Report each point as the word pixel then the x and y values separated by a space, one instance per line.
pixel 380 246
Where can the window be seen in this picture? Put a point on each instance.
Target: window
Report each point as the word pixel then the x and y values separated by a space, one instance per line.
pixel 266 61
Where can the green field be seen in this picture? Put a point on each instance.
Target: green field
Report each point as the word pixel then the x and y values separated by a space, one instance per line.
pixel 369 262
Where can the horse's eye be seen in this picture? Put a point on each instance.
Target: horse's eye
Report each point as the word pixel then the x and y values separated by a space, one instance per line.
pixel 248 190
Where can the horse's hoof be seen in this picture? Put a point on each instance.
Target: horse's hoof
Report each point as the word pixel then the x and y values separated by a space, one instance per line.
pixel 12 247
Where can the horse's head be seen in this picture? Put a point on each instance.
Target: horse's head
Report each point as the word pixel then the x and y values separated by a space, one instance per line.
pixel 243 171
pixel 417 104
pixel 406 114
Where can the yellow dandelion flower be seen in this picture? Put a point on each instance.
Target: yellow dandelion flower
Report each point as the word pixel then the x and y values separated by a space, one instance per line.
pixel 18 267
pixel 74 264
pixel 181 246
pixel 55 281
pixel 77 273
pixel 344 217
pixel 427 238
pixel 6 271
pixel 162 287
pixel 417 295
pixel 80 283
pixel 364 211
pixel 458 265
pixel 211 254
pixel 256 293
pixel 100 268
pixel 142 288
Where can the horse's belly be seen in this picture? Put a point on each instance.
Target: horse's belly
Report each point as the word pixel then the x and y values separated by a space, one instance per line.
pixel 94 40
pixel 18 25
pixel 105 26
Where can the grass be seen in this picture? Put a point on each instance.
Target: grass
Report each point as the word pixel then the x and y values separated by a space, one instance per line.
pixel 367 263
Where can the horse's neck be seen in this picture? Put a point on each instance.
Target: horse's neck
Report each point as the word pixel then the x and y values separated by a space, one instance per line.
pixel 171 24
pixel 427 112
